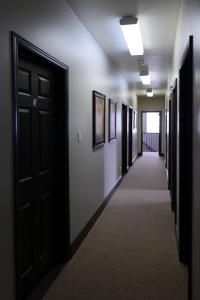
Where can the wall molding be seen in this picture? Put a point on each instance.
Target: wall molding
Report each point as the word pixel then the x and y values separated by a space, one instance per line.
pixel 43 286
pixel 82 235
pixel 134 159
pixel 177 239
pixel 140 154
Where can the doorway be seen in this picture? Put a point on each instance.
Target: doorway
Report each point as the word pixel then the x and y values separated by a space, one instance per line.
pixel 185 154
pixel 151 132
pixel 124 140
pixel 130 133
pixel 173 148
pixel 40 164
pixel 166 141
pixel 169 145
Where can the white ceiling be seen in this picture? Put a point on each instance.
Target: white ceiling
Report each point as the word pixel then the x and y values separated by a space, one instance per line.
pixel 158 21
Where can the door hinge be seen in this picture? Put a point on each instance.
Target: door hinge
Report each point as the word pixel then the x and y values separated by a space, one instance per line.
pixel 35 102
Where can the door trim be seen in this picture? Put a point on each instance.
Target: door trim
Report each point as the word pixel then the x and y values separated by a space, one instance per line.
pixel 160 128
pixel 174 149
pixel 130 136
pixel 185 246
pixel 19 43
pixel 187 53
pixel 124 164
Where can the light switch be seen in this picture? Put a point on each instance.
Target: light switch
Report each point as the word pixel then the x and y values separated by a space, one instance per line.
pixel 79 136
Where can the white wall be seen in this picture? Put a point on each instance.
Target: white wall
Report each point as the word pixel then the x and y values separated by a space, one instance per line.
pixel 53 27
pixel 189 24
pixel 157 103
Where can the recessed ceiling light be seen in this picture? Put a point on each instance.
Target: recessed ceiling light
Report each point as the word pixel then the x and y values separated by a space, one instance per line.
pixel 131 30
pixel 149 93
pixel 145 77
pixel 140 61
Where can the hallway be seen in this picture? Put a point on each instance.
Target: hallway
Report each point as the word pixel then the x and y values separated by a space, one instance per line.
pixel 130 253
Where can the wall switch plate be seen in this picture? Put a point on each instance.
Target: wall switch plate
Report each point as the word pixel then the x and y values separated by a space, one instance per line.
pixel 79 136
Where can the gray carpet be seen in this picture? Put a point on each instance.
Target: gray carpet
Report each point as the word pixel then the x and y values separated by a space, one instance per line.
pixel 130 253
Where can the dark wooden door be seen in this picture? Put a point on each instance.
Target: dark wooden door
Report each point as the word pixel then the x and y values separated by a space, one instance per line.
pixel 130 133
pixel 35 172
pixel 174 149
pixel 160 132
pixel 166 141
pixel 124 140
pixel 169 144
pixel 185 153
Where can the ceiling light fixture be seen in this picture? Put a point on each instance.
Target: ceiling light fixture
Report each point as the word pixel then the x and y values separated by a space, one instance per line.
pixel 131 30
pixel 145 77
pixel 149 93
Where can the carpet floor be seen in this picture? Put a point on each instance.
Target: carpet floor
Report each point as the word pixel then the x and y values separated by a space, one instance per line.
pixel 130 253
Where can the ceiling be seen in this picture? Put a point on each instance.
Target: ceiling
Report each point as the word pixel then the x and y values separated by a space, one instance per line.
pixel 158 21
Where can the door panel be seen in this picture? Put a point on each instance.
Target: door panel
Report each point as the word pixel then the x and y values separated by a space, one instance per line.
pixel 44 86
pixel 45 141
pixel 185 154
pixel 130 152
pixel 41 166
pixel 36 162
pixel 26 239
pixel 25 144
pixel 24 81
pixel 124 140
pixel 45 221
pixel 170 147
pixel 174 149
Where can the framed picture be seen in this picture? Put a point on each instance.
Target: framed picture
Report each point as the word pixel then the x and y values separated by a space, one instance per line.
pixel 112 120
pixel 98 119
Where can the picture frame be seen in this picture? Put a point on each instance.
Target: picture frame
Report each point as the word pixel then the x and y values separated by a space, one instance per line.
pixel 112 120
pixel 99 108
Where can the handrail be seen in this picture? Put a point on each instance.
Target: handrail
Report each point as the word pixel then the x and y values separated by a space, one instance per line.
pixel 147 148
pixel 150 142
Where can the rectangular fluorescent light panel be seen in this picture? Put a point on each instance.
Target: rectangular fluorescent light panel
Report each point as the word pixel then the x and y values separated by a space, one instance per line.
pixel 145 79
pixel 131 31
pixel 150 93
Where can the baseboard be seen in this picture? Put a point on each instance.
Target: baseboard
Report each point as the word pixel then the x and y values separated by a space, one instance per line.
pixel 160 154
pixel 134 159
pixel 177 238
pixel 75 245
pixel 43 286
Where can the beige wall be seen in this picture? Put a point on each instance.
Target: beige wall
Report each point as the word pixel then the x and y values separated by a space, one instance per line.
pixel 157 103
